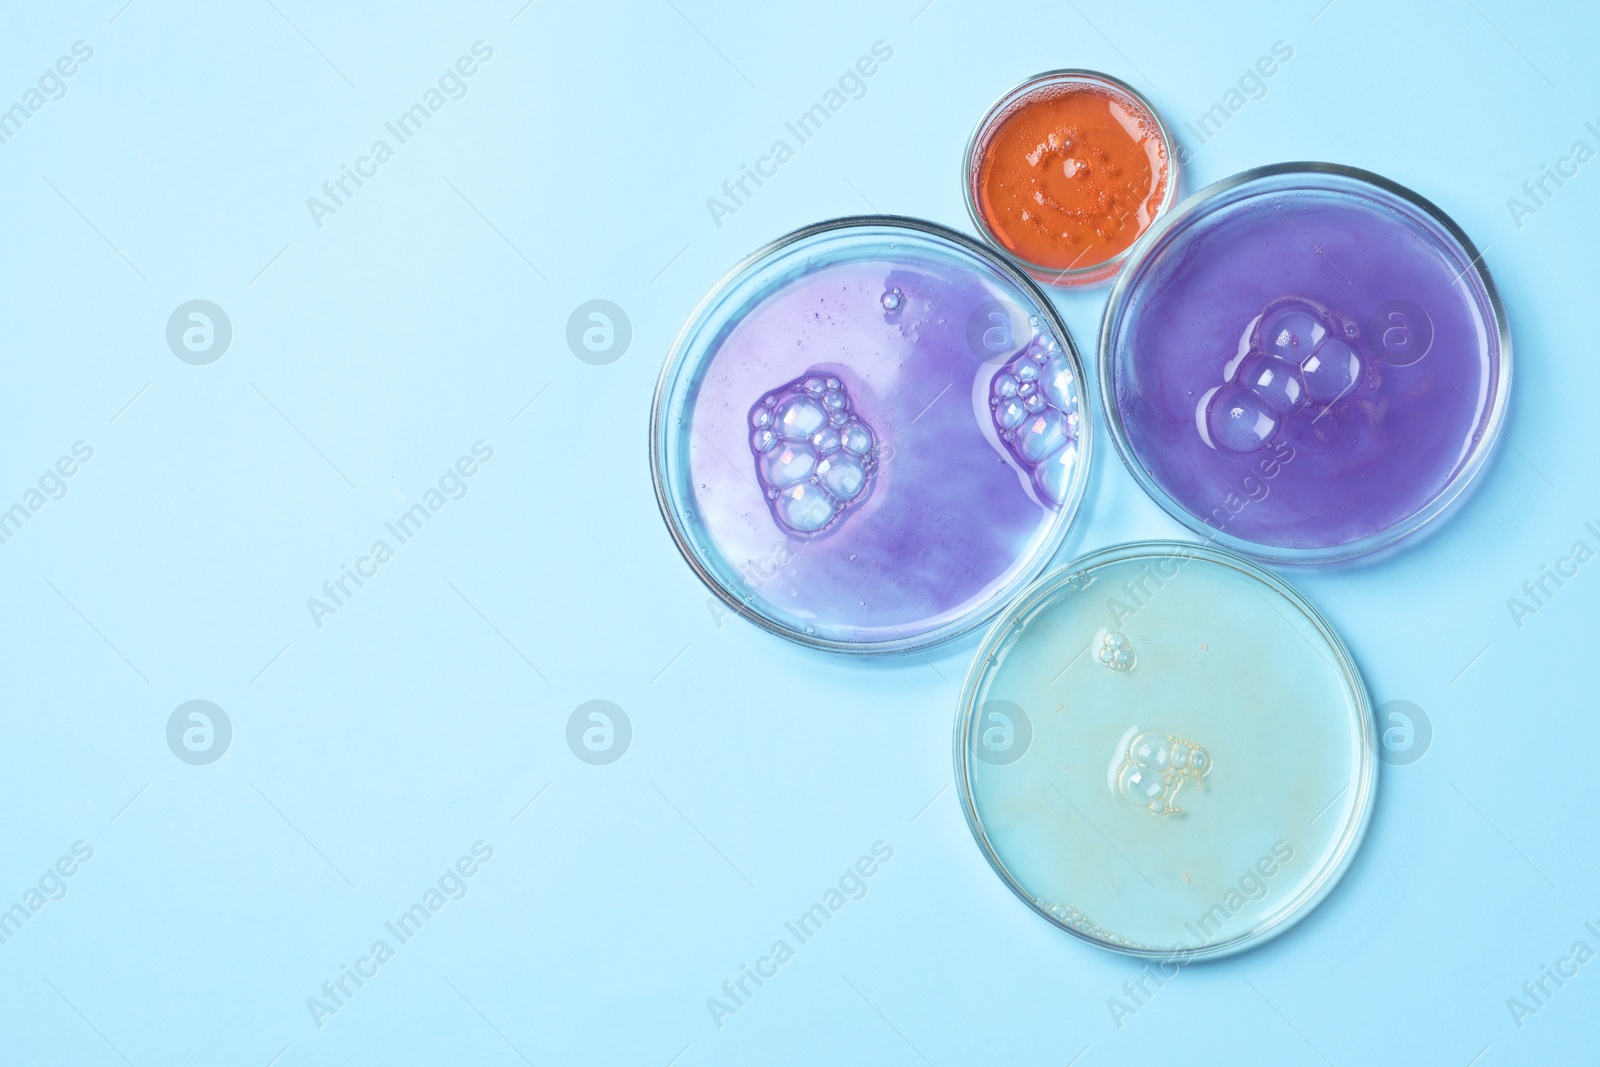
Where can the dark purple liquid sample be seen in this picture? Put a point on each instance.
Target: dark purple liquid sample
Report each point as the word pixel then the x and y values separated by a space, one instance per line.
pixel 1305 370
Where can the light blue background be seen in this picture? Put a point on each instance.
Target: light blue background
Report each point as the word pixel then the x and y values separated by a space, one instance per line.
pixel 370 353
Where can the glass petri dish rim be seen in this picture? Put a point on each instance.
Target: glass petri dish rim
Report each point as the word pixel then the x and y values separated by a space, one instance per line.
pixel 1442 505
pixel 1309 896
pixel 677 362
pixel 1092 272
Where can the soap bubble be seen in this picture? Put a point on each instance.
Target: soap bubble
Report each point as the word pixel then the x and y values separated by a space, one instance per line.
pixel 1275 382
pixel 1238 420
pixel 805 508
pixel 843 476
pixel 1291 331
pixel 799 416
pixel 788 463
pixel 1034 402
pixel 814 456
pixel 1331 371
pixel 1041 434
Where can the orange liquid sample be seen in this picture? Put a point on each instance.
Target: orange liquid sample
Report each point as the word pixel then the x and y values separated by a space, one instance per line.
pixel 1070 177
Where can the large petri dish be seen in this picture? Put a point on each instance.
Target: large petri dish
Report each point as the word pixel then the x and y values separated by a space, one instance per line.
pixel 870 435
pixel 1305 363
pixel 1165 751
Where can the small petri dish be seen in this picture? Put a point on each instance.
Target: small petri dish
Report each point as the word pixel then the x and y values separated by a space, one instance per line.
pixel 870 435
pixel 1305 363
pixel 1066 171
pixel 1165 751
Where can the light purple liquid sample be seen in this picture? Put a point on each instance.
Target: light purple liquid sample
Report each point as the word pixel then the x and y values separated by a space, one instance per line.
pixel 929 517
pixel 1306 369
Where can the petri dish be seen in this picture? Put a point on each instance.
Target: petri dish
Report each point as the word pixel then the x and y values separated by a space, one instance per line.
pixel 1305 363
pixel 1065 172
pixel 1165 751
pixel 870 435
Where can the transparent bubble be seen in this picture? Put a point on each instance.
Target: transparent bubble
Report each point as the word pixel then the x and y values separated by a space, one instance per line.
pixel 1152 750
pixel 844 476
pixel 1291 331
pixel 1238 420
pixel 788 464
pixel 1041 434
pixel 805 508
pixel 1010 413
pixel 799 416
pixel 1141 784
pixel 1053 476
pixel 1059 385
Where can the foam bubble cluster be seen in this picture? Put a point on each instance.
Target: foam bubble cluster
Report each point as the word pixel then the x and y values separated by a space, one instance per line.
pixel 1034 402
pixel 1080 921
pixel 1300 360
pixel 815 457
pixel 1154 767
pixel 1117 652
